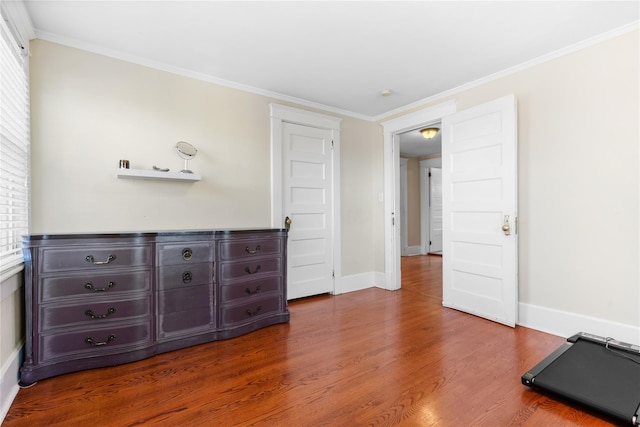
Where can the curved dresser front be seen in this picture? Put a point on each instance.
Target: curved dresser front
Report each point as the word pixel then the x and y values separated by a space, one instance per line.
pixel 96 300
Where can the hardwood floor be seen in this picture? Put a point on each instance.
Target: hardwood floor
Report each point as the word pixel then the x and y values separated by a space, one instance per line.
pixel 366 358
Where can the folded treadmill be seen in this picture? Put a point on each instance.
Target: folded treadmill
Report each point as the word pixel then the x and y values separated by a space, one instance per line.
pixel 600 373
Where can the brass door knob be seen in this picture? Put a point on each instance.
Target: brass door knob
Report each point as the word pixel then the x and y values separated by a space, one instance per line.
pixel 506 227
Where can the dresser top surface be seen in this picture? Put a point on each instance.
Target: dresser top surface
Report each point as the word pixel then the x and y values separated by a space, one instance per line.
pixel 146 234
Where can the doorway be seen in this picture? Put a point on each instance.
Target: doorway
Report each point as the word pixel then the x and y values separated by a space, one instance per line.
pixel 421 209
pixel 420 192
pixel 392 130
pixel 305 196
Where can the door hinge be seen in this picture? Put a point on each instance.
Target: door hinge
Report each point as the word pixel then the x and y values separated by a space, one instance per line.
pixel 332 144
pixel 333 274
pixel 429 174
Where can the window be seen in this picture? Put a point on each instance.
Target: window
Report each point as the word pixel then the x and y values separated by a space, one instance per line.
pixel 14 148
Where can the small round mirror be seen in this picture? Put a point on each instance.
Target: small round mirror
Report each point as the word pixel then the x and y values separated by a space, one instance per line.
pixel 187 152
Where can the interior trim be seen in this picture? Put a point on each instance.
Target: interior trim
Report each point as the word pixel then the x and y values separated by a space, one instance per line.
pixel 391 156
pixel 565 324
pixel 279 115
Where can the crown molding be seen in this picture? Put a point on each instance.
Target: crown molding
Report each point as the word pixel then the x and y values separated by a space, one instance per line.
pixel 78 44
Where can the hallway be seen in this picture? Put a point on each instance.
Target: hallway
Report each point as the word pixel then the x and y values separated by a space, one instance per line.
pixel 422 273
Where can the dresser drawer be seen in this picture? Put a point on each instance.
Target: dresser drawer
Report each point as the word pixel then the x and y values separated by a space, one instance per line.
pixel 184 253
pixel 94 257
pixel 181 276
pixel 184 300
pixel 250 269
pixel 252 289
pixel 182 311
pixel 173 325
pixel 94 285
pixel 250 248
pixel 93 313
pixel 93 342
pixel 250 310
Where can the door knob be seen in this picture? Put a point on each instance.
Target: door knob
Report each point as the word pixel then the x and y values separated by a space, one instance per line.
pixel 287 223
pixel 506 227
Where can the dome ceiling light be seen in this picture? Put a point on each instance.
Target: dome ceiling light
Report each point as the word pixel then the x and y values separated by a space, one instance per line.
pixel 429 133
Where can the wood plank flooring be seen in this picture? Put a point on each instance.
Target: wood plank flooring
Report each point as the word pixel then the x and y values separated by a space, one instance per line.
pixel 366 358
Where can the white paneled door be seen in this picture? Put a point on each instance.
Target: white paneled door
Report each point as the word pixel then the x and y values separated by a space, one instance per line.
pixel 479 170
pixel 307 199
pixel 435 210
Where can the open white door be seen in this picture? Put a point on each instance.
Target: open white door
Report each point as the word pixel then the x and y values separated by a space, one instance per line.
pixel 435 210
pixel 479 189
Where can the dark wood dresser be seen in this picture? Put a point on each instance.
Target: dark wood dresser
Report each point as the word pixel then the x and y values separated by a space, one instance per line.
pixel 96 300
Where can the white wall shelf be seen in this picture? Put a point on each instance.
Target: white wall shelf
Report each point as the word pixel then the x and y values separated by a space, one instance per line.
pixel 152 174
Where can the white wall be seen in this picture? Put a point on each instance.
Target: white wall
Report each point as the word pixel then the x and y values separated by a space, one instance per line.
pixel 578 142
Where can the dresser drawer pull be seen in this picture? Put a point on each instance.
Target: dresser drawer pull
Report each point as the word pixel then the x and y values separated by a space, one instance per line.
pixel 90 287
pixel 249 251
pixel 109 312
pixel 90 341
pixel 248 270
pixel 250 292
pixel 253 313
pixel 186 277
pixel 90 259
pixel 187 253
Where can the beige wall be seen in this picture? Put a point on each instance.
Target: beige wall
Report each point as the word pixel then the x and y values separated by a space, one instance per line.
pixel 12 333
pixel 413 200
pixel 11 318
pixel 360 141
pixel 578 160
pixel 89 111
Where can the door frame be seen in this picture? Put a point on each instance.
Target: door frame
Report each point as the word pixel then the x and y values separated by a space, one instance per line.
pixel 280 114
pixel 391 154
pixel 404 233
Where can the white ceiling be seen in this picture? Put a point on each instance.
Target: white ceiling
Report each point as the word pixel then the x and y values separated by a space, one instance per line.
pixel 334 55
pixel 413 144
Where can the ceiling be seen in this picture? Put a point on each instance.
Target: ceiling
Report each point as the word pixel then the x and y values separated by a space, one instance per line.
pixel 338 56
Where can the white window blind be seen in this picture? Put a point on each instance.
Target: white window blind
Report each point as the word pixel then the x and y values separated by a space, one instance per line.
pixel 14 150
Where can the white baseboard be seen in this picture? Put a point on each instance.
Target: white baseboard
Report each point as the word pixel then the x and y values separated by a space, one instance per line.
pixel 565 324
pixel 544 319
pixel 412 251
pixel 9 382
pixel 357 282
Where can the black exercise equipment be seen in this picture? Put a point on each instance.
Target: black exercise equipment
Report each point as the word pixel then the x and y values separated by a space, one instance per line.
pixel 600 373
